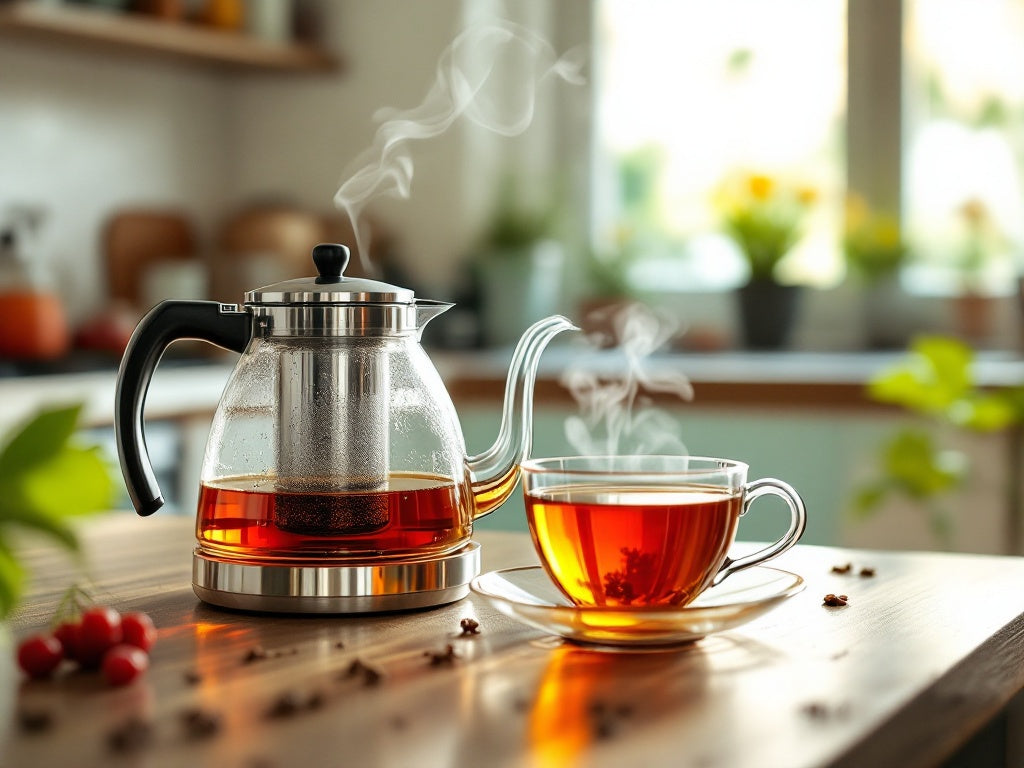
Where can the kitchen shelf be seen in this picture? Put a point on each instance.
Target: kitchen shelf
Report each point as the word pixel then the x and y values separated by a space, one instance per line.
pixel 141 35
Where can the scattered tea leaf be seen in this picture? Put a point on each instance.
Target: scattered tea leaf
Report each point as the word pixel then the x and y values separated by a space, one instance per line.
pixel 200 723
pixel 35 720
pixel 254 655
pixel 131 736
pixel 445 658
pixel 285 705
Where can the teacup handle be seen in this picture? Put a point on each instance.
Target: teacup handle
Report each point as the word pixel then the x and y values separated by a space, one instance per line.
pixel 797 523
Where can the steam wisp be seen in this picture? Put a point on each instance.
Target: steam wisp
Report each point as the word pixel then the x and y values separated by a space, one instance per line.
pixel 616 417
pixel 489 75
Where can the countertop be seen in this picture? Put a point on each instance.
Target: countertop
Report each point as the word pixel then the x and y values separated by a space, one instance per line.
pixel 926 652
pixel 768 379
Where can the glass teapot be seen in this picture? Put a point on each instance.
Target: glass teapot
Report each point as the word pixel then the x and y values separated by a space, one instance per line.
pixel 335 437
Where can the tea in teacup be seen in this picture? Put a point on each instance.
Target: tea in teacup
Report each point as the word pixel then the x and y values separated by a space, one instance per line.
pixel 643 531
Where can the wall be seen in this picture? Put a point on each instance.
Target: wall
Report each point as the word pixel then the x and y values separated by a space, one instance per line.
pixel 298 137
pixel 83 134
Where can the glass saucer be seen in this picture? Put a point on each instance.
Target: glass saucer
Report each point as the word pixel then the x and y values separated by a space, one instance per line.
pixel 528 594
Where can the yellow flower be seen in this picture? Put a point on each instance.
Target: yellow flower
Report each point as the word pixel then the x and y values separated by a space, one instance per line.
pixel 857 212
pixel 807 195
pixel 761 187
pixel 887 232
pixel 872 241
pixel 974 212
pixel 764 215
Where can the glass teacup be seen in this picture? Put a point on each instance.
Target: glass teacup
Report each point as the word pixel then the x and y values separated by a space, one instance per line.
pixel 645 531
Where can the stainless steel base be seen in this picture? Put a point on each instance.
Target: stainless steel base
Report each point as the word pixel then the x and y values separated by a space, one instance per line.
pixel 292 588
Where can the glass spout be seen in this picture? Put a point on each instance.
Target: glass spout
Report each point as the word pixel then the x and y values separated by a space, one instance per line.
pixel 427 310
pixel 495 471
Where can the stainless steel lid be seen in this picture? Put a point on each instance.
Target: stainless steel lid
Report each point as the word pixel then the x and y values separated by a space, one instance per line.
pixel 331 286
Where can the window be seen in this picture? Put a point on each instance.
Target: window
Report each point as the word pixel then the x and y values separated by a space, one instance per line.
pixel 964 142
pixel 689 92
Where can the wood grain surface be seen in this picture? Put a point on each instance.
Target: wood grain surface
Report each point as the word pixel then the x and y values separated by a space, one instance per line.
pixel 923 655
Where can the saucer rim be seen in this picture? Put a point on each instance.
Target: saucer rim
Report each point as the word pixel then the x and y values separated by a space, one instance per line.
pixel 798 586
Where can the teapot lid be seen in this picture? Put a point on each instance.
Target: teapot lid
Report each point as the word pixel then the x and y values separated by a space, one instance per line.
pixel 331 286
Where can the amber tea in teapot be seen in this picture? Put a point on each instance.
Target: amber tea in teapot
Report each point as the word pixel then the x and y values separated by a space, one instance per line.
pixel 415 514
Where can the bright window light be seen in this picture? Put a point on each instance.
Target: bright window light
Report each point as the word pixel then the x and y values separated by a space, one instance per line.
pixel 690 93
pixel 964 143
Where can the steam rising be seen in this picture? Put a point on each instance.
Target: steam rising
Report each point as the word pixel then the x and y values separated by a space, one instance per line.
pixel 489 75
pixel 615 417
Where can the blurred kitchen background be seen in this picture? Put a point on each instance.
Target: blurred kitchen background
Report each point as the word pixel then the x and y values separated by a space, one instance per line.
pixel 857 166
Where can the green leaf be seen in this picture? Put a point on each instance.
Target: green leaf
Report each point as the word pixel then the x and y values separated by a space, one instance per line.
pixel 903 387
pixel 52 526
pixel 937 380
pixel 914 466
pixel 12 580
pixel 984 412
pixel 949 361
pixel 867 499
pixel 75 481
pixel 39 440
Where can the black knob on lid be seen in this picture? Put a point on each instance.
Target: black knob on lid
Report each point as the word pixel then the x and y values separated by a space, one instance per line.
pixel 331 260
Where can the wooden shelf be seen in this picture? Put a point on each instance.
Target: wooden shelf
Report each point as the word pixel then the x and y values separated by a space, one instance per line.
pixel 145 36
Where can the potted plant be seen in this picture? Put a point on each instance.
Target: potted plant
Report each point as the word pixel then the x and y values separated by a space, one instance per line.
pixel 765 218
pixel 936 381
pixel 980 239
pixel 608 289
pixel 518 266
pixel 875 250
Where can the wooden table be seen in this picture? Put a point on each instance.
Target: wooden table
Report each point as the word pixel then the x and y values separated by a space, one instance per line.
pixel 925 653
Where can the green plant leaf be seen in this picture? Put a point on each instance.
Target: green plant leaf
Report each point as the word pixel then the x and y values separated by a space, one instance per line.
pixel 949 360
pixel 12 579
pixel 868 499
pixel 984 412
pixel 935 377
pixel 39 440
pixel 912 464
pixel 901 386
pixel 76 481
pixel 42 522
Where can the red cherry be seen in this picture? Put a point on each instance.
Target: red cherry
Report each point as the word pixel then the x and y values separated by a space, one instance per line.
pixel 138 630
pixel 68 633
pixel 123 663
pixel 100 631
pixel 39 655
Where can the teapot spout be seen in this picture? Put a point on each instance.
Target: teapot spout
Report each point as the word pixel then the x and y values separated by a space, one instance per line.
pixel 494 472
pixel 427 310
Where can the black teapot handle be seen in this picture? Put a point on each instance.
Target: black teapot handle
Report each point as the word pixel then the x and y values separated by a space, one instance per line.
pixel 220 324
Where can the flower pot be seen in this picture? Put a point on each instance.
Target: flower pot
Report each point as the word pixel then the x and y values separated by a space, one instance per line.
pixel 974 316
pixel 517 287
pixel 768 312
pixel 886 322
